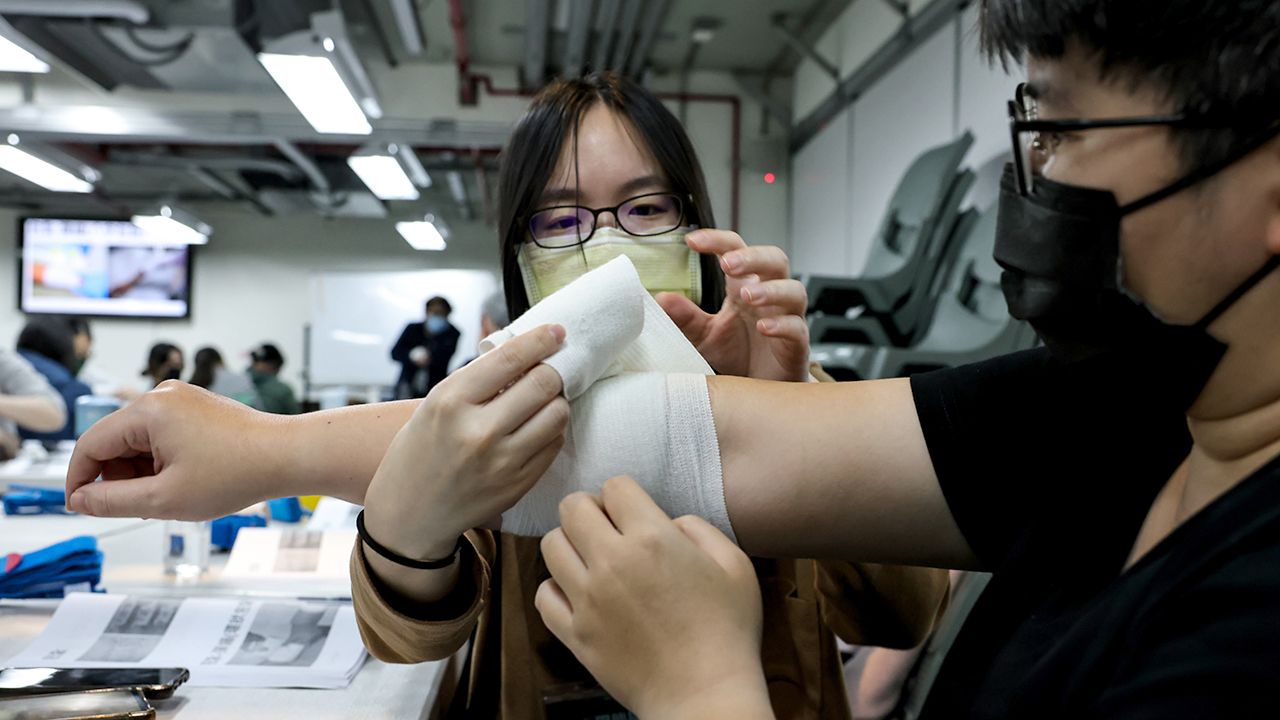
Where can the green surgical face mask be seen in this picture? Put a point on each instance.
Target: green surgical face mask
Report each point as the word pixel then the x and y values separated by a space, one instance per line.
pixel 664 262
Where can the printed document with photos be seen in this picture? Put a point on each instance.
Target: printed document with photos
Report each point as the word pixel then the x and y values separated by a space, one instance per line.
pixel 223 642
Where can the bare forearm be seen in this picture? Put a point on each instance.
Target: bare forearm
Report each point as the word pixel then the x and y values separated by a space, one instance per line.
pixel 34 412
pixel 335 452
pixel 832 471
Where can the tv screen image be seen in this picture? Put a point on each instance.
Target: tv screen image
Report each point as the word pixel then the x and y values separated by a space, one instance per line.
pixel 104 268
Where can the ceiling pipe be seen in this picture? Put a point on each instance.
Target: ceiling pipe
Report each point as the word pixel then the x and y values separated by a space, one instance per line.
pixel 648 36
pixel 536 28
pixel 626 35
pixel 461 55
pixel 605 33
pixel 128 10
pixel 575 51
pixel 405 14
pixel 305 164
pixel 279 168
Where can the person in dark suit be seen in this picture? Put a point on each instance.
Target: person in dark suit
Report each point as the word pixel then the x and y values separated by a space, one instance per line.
pixel 424 350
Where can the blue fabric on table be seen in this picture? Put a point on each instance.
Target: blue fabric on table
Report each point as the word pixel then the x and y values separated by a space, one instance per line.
pixel 48 571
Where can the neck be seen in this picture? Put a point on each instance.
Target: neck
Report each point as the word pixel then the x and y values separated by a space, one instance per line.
pixel 1235 423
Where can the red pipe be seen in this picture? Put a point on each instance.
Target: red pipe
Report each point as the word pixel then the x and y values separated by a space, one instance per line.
pixel 461 57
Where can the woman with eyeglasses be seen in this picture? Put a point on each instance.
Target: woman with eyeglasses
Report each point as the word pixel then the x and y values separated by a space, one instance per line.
pixel 599 168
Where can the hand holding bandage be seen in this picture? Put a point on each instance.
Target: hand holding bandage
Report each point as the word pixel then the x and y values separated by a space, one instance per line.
pixel 639 402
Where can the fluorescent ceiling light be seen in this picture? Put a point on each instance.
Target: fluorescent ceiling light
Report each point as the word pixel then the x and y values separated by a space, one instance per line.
pixel 174 225
pixel 41 172
pixel 315 88
pixel 384 176
pixel 421 235
pixel 15 58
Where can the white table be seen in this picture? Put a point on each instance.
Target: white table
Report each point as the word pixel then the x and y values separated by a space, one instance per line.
pixel 131 550
pixel 48 472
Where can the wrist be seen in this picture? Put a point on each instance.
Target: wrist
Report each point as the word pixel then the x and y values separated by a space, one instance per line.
pixel 743 695
pixel 418 538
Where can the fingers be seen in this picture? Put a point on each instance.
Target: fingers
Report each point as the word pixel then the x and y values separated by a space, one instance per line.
pixel 121 434
pixel 532 469
pixel 529 395
pixel 563 562
pixel 786 297
pixel 714 242
pixel 713 543
pixel 498 368
pixel 554 607
pixel 629 506
pixel 791 328
pixel 546 425
pixel 767 261
pixel 686 314
pixel 586 527
pixel 126 498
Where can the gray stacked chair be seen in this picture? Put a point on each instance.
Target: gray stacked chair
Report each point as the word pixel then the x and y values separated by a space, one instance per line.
pixel 903 259
pixel 903 325
pixel 970 322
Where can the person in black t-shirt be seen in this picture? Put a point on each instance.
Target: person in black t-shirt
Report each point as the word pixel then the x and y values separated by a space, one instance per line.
pixel 1122 483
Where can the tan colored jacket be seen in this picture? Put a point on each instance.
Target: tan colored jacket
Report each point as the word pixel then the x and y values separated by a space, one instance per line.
pixel 806 604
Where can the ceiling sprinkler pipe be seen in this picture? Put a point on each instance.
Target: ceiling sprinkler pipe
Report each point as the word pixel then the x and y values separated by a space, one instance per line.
pixel 130 10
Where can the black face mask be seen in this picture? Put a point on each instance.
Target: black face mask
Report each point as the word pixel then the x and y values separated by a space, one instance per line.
pixel 173 373
pixel 1060 250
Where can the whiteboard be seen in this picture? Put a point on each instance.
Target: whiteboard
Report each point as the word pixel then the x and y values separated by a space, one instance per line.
pixel 357 316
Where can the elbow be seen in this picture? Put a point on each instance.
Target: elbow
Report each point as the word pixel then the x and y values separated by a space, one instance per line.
pixel 396 651
pixel 51 417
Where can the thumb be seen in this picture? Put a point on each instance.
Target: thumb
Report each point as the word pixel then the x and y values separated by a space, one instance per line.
pixel 687 316
pixel 135 497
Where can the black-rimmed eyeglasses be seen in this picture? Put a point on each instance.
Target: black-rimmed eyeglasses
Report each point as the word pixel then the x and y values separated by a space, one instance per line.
pixel 1035 140
pixel 643 215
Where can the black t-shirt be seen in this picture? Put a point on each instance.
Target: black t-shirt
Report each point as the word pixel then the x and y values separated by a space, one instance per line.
pixel 1050 471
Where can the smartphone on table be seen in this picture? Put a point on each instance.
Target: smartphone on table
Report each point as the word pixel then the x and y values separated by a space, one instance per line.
pixel 153 683
pixel 109 704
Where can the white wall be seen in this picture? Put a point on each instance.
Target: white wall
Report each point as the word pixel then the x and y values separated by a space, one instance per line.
pixel 846 174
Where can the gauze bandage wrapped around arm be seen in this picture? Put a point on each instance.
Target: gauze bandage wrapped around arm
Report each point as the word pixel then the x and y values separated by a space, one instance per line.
pixel 655 427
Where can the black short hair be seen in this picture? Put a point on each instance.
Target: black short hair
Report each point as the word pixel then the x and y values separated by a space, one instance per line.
pixel 158 356
pixel 441 303
pixel 268 353
pixel 1215 57
pixel 50 337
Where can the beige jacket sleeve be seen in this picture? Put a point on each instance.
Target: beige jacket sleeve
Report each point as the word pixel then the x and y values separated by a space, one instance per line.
pixel 392 636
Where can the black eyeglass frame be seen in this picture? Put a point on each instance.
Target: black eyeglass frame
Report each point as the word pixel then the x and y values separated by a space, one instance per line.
pixel 595 218
pixel 1019 125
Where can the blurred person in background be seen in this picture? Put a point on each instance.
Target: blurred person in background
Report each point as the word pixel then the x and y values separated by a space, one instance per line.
pixel 424 350
pixel 276 396
pixel 48 345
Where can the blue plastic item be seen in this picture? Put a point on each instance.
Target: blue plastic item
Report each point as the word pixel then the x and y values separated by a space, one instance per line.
pixel 34 500
pixel 47 572
pixel 225 529
pixel 285 509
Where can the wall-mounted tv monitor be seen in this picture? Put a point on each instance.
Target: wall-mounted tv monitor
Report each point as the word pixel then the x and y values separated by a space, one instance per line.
pixel 107 268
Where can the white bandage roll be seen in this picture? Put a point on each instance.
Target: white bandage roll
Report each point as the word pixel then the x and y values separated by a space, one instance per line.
pixel 602 313
pixel 655 427
pixel 612 326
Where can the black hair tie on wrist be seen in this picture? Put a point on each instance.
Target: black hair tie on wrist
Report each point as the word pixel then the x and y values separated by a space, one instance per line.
pixel 375 546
